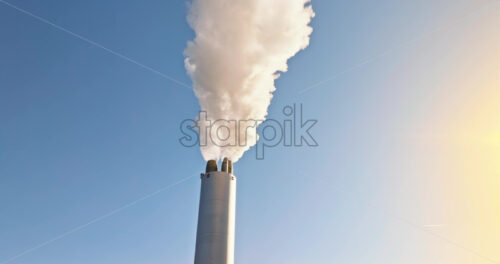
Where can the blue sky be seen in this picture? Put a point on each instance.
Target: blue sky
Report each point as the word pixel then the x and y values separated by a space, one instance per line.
pixel 84 132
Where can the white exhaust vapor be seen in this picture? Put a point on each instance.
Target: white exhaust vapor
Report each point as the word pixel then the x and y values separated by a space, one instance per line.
pixel 239 49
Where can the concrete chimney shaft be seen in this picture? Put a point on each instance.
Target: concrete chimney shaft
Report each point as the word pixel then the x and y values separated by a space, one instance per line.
pixel 216 216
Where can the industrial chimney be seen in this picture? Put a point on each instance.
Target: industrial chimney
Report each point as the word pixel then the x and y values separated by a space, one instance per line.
pixel 216 217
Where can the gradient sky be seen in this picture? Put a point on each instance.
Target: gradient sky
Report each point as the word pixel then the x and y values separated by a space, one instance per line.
pixel 407 169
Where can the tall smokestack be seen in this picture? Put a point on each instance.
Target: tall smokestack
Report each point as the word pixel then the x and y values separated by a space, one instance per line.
pixel 216 217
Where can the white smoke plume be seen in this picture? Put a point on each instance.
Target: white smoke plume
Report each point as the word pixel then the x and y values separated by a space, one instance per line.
pixel 238 51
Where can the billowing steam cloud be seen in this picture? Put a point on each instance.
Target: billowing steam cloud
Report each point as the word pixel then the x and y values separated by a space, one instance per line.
pixel 239 49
